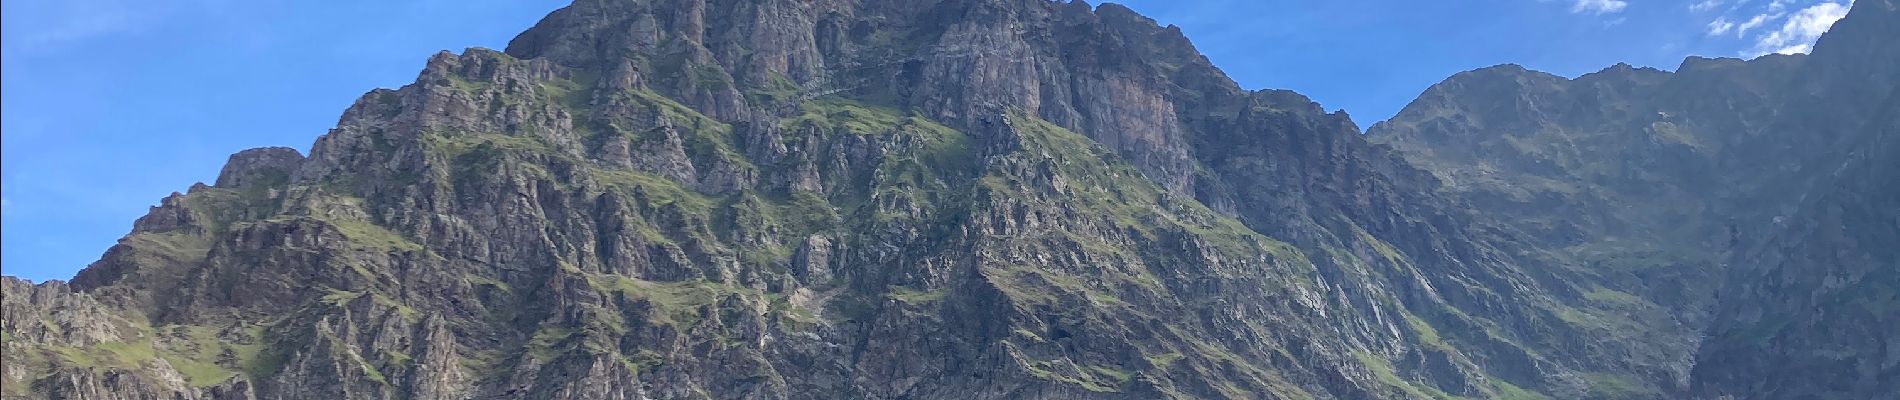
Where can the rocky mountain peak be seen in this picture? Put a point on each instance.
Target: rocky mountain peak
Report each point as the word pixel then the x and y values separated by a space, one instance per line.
pixel 260 166
pixel 960 60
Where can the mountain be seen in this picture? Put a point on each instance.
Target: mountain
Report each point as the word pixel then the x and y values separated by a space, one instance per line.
pixel 989 199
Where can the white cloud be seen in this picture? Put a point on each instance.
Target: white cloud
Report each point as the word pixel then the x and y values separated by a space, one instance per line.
pixel 1720 26
pixel 1756 22
pixel 1705 5
pixel 1599 6
pixel 1798 34
pixel 1803 48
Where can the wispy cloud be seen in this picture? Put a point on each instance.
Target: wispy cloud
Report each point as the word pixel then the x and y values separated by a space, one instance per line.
pixel 1720 26
pixel 56 24
pixel 1705 5
pixel 1778 6
pixel 1798 33
pixel 35 28
pixel 1599 6
pixel 1755 22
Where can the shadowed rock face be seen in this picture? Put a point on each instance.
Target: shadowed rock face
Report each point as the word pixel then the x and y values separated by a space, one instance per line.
pixel 1764 174
pixel 1625 182
pixel 990 199
pixel 1810 312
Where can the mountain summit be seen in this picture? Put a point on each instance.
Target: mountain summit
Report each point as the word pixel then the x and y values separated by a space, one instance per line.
pixel 989 199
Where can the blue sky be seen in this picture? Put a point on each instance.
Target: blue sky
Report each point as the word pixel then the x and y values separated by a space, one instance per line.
pixel 109 105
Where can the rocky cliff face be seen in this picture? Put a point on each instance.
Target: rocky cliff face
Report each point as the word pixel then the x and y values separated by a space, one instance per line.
pixel 841 199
